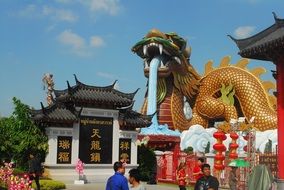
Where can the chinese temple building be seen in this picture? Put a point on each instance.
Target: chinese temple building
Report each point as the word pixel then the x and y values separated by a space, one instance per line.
pixel 268 45
pixel 95 124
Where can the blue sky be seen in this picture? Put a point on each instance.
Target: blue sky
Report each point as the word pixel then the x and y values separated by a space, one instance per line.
pixel 93 38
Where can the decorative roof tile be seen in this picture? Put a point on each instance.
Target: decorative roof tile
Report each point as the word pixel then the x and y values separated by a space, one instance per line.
pixel 56 113
pixel 94 94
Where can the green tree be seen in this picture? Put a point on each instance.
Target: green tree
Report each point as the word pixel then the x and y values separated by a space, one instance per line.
pixel 188 150
pixel 5 136
pixel 268 146
pixel 147 164
pixel 22 136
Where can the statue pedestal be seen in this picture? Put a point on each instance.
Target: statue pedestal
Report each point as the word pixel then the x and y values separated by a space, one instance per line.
pixel 79 182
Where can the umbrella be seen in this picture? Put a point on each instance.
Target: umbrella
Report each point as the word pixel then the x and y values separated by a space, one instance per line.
pixel 239 163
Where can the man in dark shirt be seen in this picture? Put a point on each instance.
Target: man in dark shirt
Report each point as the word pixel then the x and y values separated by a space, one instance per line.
pixel 35 170
pixel 117 181
pixel 207 182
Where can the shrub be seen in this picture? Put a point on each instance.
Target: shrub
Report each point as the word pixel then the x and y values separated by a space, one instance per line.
pixel 147 163
pixel 188 150
pixel 50 185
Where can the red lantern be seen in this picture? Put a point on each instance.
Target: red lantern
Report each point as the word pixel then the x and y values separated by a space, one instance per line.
pixel 246 137
pixel 220 148
pixel 233 146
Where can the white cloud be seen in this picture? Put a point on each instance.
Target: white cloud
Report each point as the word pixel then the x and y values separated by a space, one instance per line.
pixel 96 41
pixel 28 11
pixel 111 7
pixel 63 1
pixel 59 14
pixel 105 75
pixel 35 12
pixel 244 31
pixel 74 41
pixel 78 45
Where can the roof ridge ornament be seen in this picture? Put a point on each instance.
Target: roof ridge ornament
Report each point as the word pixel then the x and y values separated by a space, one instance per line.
pixel 42 108
pixel 76 79
pixel 234 39
pixel 136 91
pixel 278 21
pixel 275 16
pixel 114 83
pixel 69 87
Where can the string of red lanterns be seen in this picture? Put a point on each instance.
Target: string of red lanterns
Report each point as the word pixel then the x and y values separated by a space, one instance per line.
pixel 220 148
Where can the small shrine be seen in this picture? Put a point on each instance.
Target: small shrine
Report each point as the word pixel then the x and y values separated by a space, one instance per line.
pixel 94 124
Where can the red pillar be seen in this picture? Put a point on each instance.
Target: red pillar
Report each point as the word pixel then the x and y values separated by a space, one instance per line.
pixel 176 154
pixel 280 114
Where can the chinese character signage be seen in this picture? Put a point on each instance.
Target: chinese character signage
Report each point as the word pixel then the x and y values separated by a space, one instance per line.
pixel 95 144
pixel 64 149
pixel 125 150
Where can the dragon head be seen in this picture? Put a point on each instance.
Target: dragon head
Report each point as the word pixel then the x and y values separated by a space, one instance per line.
pixel 169 46
pixel 175 60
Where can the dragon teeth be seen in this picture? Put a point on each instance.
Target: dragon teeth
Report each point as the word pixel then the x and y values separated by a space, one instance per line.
pixel 146 64
pixel 177 60
pixel 145 50
pixel 161 49
pixel 162 64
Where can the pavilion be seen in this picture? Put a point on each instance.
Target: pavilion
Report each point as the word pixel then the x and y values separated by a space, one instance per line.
pixel 268 45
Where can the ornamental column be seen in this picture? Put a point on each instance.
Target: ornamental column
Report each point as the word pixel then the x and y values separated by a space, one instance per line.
pixel 280 113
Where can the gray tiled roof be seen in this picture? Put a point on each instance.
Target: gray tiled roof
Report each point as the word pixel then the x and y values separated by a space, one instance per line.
pixel 94 94
pixel 57 113
pixel 134 119
pixel 265 44
pixel 63 110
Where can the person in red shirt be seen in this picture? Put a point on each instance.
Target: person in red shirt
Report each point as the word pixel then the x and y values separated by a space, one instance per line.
pixel 197 172
pixel 181 176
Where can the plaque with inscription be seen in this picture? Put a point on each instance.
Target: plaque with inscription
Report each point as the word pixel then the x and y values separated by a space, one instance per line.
pixel 95 143
pixel 64 149
pixel 125 150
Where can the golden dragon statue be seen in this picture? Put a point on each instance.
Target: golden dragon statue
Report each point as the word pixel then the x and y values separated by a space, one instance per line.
pixel 221 94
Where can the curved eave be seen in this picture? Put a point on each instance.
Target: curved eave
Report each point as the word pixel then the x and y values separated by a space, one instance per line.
pixel 136 123
pixel 58 93
pixel 126 95
pixel 91 87
pixel 134 119
pixel 268 51
pixel 54 114
pixel 100 96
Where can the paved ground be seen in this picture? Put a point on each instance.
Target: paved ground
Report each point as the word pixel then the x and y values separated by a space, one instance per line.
pixel 101 186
